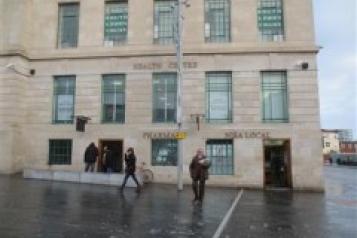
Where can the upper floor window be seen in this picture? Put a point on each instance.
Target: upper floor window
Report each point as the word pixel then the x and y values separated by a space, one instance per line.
pixel 63 102
pixel 68 25
pixel 113 98
pixel 217 20
pixel 164 21
pixel 116 23
pixel 271 20
pixel 164 97
pixel 275 99
pixel 219 96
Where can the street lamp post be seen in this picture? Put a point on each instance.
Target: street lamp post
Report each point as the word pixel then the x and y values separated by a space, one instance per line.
pixel 179 56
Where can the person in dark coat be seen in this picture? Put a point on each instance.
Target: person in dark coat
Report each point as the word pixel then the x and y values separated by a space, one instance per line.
pixel 108 160
pixel 199 174
pixel 90 157
pixel 130 167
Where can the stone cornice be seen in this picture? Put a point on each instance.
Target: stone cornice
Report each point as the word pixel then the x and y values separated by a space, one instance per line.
pixel 103 52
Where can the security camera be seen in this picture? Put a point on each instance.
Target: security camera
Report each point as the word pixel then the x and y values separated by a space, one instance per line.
pixel 304 65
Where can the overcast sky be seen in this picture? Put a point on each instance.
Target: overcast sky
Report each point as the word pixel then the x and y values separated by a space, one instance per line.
pixel 336 29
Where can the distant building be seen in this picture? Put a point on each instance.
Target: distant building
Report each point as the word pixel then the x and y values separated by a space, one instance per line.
pixel 348 146
pixel 345 134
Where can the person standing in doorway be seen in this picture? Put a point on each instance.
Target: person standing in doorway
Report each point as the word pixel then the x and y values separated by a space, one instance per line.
pixel 90 157
pixel 199 173
pixel 130 167
pixel 108 160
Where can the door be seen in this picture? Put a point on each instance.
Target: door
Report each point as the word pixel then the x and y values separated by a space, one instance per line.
pixel 277 164
pixel 116 146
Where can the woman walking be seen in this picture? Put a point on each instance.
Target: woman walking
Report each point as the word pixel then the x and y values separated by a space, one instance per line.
pixel 130 167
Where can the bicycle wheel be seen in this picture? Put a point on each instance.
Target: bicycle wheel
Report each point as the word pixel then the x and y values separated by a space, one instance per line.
pixel 148 176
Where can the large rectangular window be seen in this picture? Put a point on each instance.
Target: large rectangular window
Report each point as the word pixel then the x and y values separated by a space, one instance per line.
pixel 219 97
pixel 164 97
pixel 63 102
pixel 113 98
pixel 164 152
pixel 217 20
pixel 115 23
pixel 68 25
pixel 275 99
pixel 60 151
pixel 220 153
pixel 271 20
pixel 164 21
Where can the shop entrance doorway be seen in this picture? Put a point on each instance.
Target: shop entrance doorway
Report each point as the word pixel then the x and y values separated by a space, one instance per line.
pixel 277 164
pixel 116 146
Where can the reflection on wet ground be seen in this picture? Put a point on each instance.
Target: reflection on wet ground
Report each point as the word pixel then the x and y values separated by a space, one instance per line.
pixel 30 208
pixel 286 214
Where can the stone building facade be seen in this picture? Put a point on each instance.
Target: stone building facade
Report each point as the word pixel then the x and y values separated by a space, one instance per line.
pixel 250 79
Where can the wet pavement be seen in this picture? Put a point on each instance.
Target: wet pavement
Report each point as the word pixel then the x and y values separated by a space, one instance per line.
pixel 31 208
pixel 286 214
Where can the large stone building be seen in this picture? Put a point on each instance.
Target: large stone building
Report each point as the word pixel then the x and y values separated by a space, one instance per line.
pixel 250 69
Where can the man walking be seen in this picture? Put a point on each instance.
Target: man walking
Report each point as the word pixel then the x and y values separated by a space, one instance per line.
pixel 90 157
pixel 199 174
pixel 130 167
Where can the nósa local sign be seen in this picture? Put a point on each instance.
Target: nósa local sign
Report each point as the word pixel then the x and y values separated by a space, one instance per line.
pixel 248 134
pixel 179 135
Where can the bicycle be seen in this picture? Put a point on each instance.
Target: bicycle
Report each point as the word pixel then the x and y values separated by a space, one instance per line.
pixel 147 174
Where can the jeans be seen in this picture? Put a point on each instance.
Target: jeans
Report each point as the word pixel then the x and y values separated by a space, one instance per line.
pixel 127 175
pixel 198 187
pixel 89 166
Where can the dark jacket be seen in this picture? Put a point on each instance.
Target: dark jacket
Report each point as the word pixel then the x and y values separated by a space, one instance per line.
pixel 130 163
pixel 91 153
pixel 109 159
pixel 198 171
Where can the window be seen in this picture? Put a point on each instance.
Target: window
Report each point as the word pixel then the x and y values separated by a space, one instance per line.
pixel 164 152
pixel 274 92
pixel 68 25
pixel 115 23
pixel 113 98
pixel 328 144
pixel 219 97
pixel 164 22
pixel 271 20
pixel 217 20
pixel 164 97
pixel 60 151
pixel 64 88
pixel 220 152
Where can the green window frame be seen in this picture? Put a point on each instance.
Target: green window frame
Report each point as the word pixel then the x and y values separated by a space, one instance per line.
pixel 60 152
pixel 116 23
pixel 275 97
pixel 220 153
pixel 164 21
pixel 217 21
pixel 164 152
pixel 271 20
pixel 164 97
pixel 68 25
pixel 219 97
pixel 113 98
pixel 64 99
